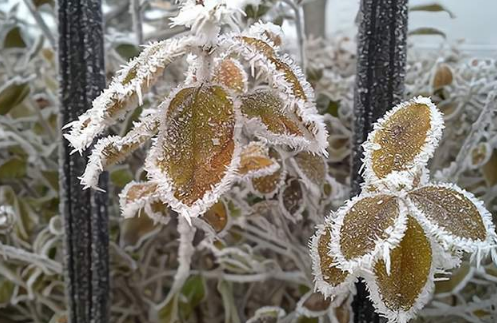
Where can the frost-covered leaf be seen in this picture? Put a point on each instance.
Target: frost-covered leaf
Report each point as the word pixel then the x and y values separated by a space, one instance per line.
pixel 125 91
pixel 480 155
pixel 217 216
pixel 489 170
pixel 329 279
pixel 269 185
pixel 458 279
pixel 12 94
pixel 433 7
pixel 196 155
pixel 366 227
pixel 313 304
pixel 454 216
pixel 311 168
pixel 193 293
pixel 402 142
pixel 231 74
pixel 427 31
pixel 256 162
pixel 136 197
pixel 284 75
pixel 400 292
pixel 268 314
pixel 134 231
pixel 114 149
pixel 269 120
pixel 443 76
pixel 14 38
pixel 291 198
pixel 13 168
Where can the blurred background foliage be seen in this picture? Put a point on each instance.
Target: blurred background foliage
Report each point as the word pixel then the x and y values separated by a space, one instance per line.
pixel 255 264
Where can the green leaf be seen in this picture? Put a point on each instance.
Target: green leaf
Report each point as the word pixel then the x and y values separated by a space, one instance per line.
pixel 169 312
pixel 333 107
pixel 193 292
pixel 434 7
pixel 14 39
pixel 120 177
pixel 427 31
pixel 12 94
pixel 489 170
pixel 39 3
pixel 13 168
pixel 6 290
pixel 52 178
pixel 127 51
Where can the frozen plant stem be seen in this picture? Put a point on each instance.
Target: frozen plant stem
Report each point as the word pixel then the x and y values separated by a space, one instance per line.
pixel 136 15
pixel 381 58
pixel 82 78
pixel 185 253
pixel 299 26
pixel 473 138
pixel 41 23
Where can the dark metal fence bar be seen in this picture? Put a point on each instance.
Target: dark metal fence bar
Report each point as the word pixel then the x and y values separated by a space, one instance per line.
pixel 82 78
pixel 379 86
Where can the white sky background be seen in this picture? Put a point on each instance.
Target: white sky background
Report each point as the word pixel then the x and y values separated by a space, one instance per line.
pixel 475 22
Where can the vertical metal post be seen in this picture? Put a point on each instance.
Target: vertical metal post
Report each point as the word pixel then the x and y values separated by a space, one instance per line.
pixel 82 78
pixel 381 59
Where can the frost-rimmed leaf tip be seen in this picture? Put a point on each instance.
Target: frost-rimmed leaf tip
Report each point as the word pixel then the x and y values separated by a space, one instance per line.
pixel 401 143
pixel 402 230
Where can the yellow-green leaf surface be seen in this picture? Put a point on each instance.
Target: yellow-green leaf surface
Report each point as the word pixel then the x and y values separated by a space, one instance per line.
pixel 217 216
pixel 330 273
pixel 311 167
pixel 254 159
pixel 197 146
pixel 268 108
pixel 409 270
pixel 401 139
pixel 292 199
pixel 14 38
pixel 450 210
pixel 13 168
pixel 366 222
pixel 288 73
pixel 230 74
pixel 12 95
